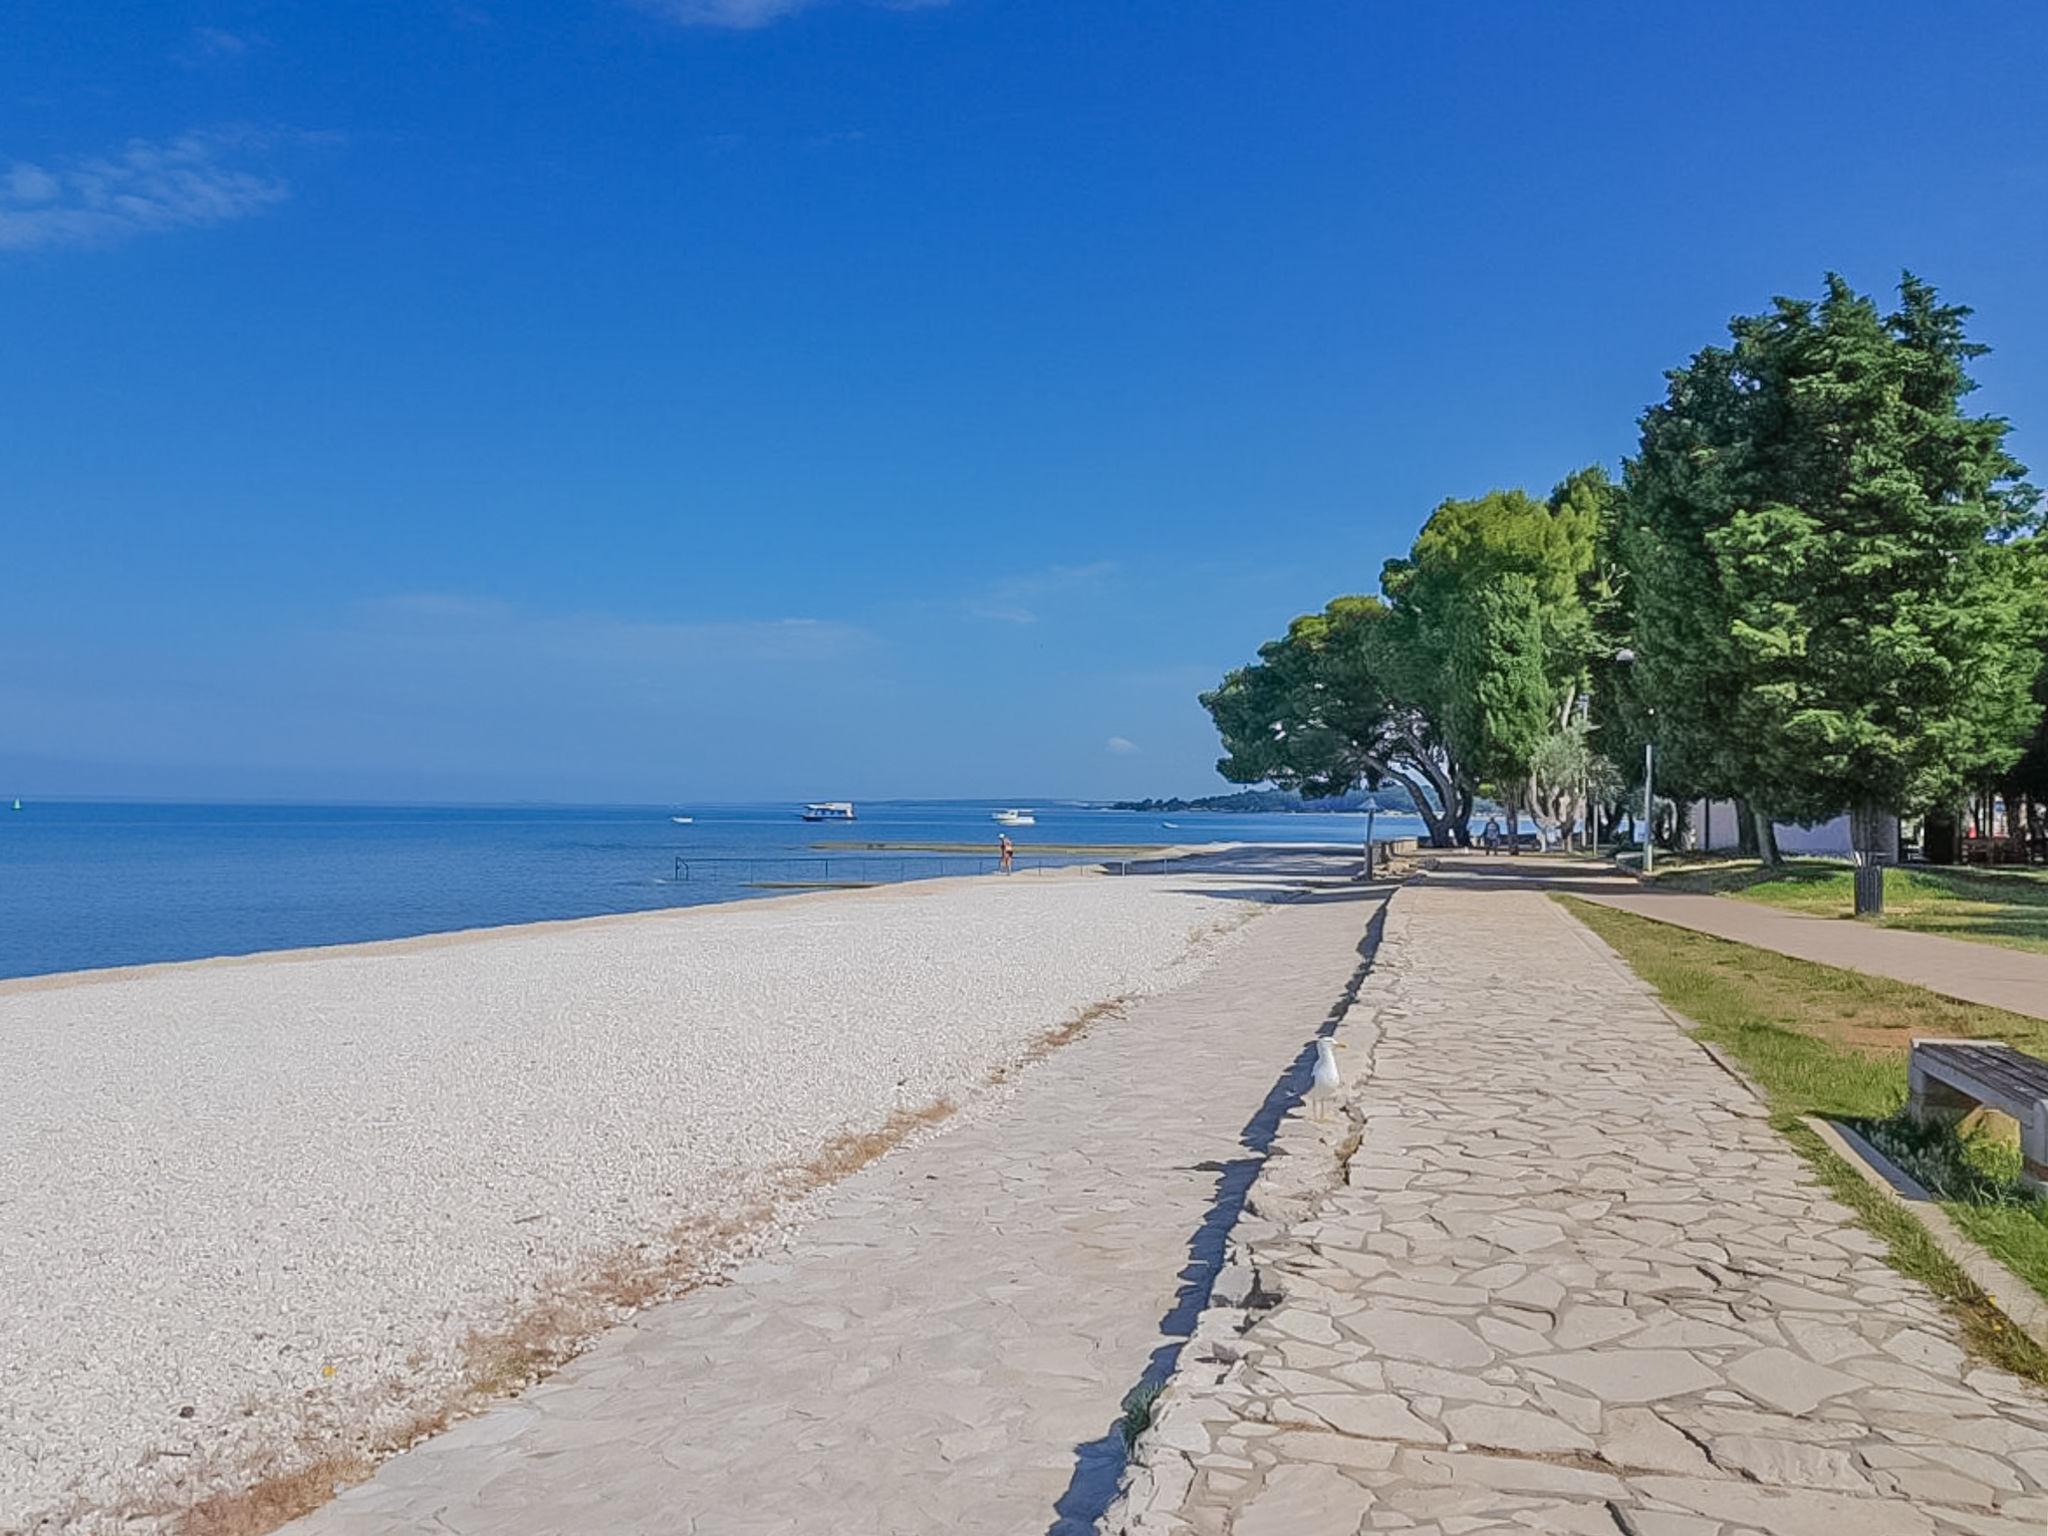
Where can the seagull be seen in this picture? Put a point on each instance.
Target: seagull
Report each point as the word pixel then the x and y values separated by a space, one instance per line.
pixel 1323 1087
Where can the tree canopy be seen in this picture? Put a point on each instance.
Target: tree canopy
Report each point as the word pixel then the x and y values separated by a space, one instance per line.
pixel 1449 683
pixel 1834 594
pixel 1333 704
pixel 1829 581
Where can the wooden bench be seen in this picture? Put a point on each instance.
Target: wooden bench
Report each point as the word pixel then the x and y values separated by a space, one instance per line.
pixel 1949 1078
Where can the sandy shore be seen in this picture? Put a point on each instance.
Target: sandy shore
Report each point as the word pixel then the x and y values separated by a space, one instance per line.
pixel 249 1202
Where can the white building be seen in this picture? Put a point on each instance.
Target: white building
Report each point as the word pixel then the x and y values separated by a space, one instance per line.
pixel 1716 829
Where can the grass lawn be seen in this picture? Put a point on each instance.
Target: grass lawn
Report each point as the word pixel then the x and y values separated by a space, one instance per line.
pixel 1828 1042
pixel 1993 906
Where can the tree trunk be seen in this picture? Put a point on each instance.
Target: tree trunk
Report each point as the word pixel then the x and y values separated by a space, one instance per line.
pixel 1608 820
pixel 1938 832
pixel 1746 840
pixel 1436 819
pixel 1435 823
pixel 1764 835
pixel 1867 823
pixel 1514 824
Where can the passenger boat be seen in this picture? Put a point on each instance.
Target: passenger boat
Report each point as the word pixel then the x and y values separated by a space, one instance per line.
pixel 829 810
pixel 1016 818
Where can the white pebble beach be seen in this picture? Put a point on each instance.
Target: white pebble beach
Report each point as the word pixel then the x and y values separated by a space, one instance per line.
pixel 239 1198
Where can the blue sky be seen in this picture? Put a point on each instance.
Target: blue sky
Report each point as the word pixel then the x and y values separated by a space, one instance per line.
pixel 696 399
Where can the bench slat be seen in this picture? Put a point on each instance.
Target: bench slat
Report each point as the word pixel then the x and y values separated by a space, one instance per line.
pixel 2012 1074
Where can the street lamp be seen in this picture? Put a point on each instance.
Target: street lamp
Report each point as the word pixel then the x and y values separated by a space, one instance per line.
pixel 1627 658
pixel 1372 806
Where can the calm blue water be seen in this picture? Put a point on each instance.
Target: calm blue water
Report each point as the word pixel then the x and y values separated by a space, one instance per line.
pixel 84 885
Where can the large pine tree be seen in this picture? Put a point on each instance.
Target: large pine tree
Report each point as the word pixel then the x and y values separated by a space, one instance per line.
pixel 1836 588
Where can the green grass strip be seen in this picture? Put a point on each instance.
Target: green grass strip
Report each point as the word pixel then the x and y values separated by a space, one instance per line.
pixel 1989 906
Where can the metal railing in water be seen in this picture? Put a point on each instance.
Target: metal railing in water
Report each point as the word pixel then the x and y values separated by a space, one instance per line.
pixel 884 869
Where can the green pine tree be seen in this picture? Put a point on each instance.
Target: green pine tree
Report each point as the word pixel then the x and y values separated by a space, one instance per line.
pixel 1835 580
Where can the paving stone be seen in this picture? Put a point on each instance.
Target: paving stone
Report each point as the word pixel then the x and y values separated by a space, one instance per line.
pixel 1788 1512
pixel 1514 1429
pixel 1789 1464
pixel 1381 1416
pixel 1788 1382
pixel 1335 1450
pixel 1638 1439
pixel 1303 1499
pixel 1707 1346
pixel 1419 1336
pixel 1629 1375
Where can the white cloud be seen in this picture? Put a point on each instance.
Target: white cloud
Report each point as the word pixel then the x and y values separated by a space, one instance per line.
pixel 180 183
pixel 219 43
pixel 1019 599
pixel 451 622
pixel 1121 746
pixel 743 15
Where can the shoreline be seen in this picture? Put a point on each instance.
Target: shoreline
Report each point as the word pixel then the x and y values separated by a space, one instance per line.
pixel 314 1188
pixel 55 981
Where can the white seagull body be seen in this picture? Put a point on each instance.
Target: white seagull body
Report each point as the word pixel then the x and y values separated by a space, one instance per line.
pixel 1327 1082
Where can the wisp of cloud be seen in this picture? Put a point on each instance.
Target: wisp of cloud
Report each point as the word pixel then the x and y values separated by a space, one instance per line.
pixel 179 183
pixel 743 15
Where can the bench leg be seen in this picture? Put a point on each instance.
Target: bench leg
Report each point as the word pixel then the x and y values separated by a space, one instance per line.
pixel 1930 1101
pixel 2034 1149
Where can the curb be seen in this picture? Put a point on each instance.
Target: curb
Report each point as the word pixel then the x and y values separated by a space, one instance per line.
pixel 2001 1287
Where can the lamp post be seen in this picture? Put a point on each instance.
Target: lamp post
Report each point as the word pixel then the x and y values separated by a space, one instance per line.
pixel 1372 806
pixel 1589 824
pixel 1627 658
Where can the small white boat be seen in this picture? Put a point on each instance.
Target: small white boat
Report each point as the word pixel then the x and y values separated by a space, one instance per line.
pixel 829 810
pixel 1017 818
pixel 682 821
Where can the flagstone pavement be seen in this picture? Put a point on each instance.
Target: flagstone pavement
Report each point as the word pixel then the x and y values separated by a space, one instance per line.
pixel 1569 1280
pixel 947 1346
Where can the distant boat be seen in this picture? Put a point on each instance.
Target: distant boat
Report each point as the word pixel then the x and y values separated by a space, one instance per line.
pixel 682 821
pixel 1174 824
pixel 1017 818
pixel 17 805
pixel 829 810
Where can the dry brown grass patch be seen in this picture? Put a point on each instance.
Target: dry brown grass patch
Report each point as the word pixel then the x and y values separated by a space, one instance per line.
pixel 848 1154
pixel 258 1510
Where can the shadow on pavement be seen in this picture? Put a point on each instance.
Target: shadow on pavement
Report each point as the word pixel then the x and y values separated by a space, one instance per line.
pixel 1528 871
pixel 1313 874
pixel 1099 1464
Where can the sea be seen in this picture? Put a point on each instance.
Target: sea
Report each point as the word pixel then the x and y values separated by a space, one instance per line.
pixel 89 884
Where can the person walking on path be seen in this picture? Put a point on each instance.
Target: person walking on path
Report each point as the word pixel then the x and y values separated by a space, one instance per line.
pixel 1491 836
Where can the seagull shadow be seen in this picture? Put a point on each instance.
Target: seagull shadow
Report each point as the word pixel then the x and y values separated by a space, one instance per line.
pixel 1099 1464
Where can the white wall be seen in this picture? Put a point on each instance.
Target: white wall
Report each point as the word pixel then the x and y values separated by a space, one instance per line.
pixel 1716 829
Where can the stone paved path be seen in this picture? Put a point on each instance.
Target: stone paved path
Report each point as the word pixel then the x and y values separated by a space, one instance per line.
pixel 1570 1280
pixel 947 1347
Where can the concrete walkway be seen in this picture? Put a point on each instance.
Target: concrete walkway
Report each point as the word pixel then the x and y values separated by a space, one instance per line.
pixel 947 1347
pixel 1569 1280
pixel 2013 979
